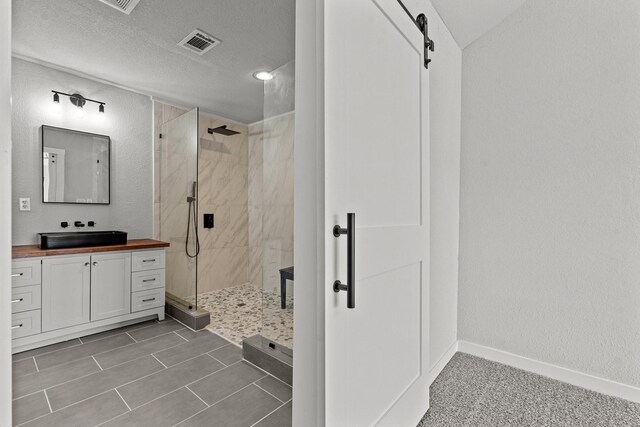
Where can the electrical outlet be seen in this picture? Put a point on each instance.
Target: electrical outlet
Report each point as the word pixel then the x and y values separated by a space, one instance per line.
pixel 25 204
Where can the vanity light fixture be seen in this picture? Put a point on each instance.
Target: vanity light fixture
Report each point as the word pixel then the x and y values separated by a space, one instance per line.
pixel 79 101
pixel 263 75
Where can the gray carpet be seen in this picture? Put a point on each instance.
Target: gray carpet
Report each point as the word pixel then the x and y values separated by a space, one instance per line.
pixel 472 391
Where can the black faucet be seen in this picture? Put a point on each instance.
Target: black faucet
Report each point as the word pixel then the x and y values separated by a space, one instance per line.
pixel 78 224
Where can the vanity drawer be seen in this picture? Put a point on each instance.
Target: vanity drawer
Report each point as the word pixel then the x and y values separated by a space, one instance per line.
pixel 147 260
pixel 147 299
pixel 25 324
pixel 25 273
pixel 25 298
pixel 145 280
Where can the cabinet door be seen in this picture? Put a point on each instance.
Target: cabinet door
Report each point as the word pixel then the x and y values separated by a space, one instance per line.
pixel 65 291
pixel 110 285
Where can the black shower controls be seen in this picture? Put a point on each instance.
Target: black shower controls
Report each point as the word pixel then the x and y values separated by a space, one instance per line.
pixel 64 224
pixel 78 224
pixel 91 224
pixel 208 220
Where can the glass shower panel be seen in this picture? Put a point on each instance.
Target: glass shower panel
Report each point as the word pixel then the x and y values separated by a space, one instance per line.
pixel 178 206
pixel 277 207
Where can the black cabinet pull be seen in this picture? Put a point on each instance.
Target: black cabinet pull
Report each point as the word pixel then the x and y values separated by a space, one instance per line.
pixel 350 286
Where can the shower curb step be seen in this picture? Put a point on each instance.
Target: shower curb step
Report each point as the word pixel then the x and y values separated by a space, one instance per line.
pixel 256 350
pixel 194 319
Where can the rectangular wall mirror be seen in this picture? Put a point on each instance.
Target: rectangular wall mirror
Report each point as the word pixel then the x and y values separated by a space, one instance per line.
pixel 75 167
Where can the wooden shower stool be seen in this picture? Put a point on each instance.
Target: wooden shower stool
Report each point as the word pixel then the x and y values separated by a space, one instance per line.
pixel 285 273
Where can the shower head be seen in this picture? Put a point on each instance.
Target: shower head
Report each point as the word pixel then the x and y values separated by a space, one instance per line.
pixel 222 130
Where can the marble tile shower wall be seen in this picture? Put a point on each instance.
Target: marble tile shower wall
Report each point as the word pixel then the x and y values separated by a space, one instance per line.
pixel 271 185
pixel 223 191
pixel 255 203
pixel 222 177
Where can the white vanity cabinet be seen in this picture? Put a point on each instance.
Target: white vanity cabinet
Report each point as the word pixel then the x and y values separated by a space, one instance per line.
pixel 59 297
pixel 148 278
pixel 110 285
pixel 66 289
pixel 25 298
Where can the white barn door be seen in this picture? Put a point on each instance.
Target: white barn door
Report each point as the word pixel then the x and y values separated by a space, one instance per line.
pixel 376 166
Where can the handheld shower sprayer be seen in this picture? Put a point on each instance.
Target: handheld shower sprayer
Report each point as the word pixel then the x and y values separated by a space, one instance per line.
pixel 192 198
pixel 192 222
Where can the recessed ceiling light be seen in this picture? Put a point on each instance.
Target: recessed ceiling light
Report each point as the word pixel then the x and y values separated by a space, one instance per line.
pixel 263 75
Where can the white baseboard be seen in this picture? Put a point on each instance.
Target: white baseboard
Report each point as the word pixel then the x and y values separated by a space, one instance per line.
pixel 439 366
pixel 580 379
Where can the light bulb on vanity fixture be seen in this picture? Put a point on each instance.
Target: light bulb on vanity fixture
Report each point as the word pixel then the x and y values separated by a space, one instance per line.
pixel 101 116
pixel 57 108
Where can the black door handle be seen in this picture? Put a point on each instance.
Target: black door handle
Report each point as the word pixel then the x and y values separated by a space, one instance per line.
pixel 350 286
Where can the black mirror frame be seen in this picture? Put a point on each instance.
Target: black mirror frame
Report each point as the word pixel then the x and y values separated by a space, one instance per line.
pixel 42 128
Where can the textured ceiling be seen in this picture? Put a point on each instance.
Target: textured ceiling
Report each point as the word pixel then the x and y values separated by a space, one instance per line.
pixel 140 50
pixel 470 19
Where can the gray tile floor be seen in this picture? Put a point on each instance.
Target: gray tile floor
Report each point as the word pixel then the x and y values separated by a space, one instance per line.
pixel 476 392
pixel 148 374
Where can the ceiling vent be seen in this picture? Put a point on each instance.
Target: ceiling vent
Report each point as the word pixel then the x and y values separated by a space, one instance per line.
pixel 125 6
pixel 199 42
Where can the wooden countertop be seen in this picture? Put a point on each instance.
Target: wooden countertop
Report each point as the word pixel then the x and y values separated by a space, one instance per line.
pixel 31 251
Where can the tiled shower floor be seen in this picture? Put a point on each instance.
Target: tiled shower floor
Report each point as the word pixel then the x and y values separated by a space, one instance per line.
pixel 149 374
pixel 237 313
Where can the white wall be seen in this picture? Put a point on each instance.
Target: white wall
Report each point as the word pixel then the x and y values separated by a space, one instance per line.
pixel 550 206
pixel 128 121
pixel 308 334
pixel 5 213
pixel 445 92
pixel 445 109
pixel 445 77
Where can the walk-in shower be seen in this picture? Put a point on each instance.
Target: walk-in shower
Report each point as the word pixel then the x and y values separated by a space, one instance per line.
pixel 239 268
